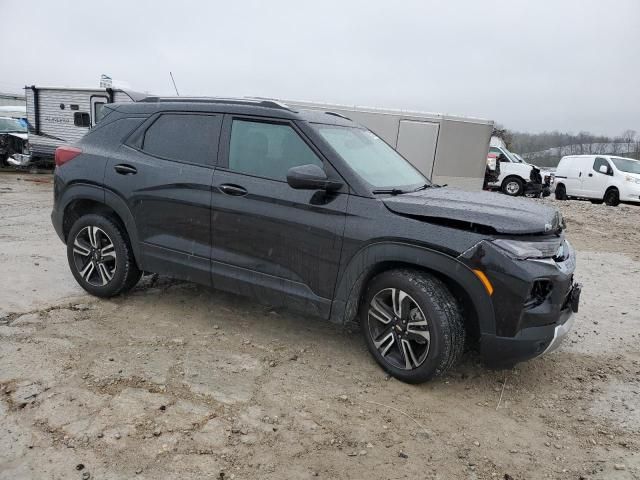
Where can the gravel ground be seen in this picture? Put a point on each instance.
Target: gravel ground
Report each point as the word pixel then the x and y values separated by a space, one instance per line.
pixel 178 381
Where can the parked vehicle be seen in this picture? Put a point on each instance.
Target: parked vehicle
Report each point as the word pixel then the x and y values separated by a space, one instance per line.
pixel 308 210
pixel 13 139
pixel 13 111
pixel 446 149
pixel 58 116
pixel 599 178
pixel 517 177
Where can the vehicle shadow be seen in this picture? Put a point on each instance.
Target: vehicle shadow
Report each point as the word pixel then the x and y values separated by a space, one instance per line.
pixel 342 346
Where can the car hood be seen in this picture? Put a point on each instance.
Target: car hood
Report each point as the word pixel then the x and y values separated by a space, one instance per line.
pixel 23 136
pixel 480 210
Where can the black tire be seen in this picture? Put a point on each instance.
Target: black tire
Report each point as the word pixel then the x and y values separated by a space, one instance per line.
pixel 561 192
pixel 513 186
pixel 445 325
pixel 124 271
pixel 612 197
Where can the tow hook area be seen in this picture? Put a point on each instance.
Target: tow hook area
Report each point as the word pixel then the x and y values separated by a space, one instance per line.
pixel 573 298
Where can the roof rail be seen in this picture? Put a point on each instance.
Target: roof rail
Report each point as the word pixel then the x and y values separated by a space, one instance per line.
pixel 259 102
pixel 336 114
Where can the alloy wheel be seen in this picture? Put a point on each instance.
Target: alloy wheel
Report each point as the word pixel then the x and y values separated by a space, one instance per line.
pixel 399 328
pixel 94 256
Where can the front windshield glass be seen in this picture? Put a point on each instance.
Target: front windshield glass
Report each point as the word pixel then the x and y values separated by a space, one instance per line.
pixel 11 125
pixel 371 158
pixel 626 165
pixel 514 158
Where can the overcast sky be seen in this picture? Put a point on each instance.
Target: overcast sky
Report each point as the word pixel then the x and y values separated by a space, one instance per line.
pixel 536 65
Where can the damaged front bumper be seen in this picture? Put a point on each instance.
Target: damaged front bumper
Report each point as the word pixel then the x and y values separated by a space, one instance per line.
pixel 19 160
pixel 528 343
pixel 533 301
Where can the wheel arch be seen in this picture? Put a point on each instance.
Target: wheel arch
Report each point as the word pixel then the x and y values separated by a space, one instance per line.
pixel 510 176
pixel 379 257
pixel 610 189
pixel 81 200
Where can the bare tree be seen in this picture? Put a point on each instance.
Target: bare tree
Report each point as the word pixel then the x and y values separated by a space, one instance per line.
pixel 628 137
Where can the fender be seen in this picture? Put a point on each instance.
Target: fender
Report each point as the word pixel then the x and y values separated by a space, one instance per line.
pixel 85 191
pixel 352 280
pixel 122 209
pixel 75 191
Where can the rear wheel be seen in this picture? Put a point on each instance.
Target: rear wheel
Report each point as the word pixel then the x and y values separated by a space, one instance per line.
pixel 412 325
pixel 100 256
pixel 612 197
pixel 561 192
pixel 513 186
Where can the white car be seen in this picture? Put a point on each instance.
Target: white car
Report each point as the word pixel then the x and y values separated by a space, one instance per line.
pixel 599 178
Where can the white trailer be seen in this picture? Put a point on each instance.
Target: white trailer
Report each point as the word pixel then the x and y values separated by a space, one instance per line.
pixel 59 115
pixel 447 149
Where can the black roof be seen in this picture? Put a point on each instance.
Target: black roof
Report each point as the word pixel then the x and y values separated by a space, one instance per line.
pixel 245 106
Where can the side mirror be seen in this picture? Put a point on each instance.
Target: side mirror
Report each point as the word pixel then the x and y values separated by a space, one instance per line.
pixel 310 177
pixel 604 169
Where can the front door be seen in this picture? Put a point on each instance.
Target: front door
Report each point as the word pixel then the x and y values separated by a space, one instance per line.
pixel 164 174
pixel 594 182
pixel 269 240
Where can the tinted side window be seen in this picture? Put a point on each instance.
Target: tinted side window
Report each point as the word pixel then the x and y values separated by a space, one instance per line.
pixel 184 137
pixel 81 119
pixel 267 150
pixel 599 162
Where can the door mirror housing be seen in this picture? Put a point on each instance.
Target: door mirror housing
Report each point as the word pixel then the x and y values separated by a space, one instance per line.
pixel 310 177
pixel 604 169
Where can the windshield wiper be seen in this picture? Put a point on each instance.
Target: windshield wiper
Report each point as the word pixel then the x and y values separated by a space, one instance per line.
pixel 392 191
pixel 422 187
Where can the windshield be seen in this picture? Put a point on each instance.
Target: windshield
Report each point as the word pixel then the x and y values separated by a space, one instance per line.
pixel 626 165
pixel 370 157
pixel 11 125
pixel 513 156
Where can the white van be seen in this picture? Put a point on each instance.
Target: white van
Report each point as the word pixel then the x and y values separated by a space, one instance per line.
pixel 599 178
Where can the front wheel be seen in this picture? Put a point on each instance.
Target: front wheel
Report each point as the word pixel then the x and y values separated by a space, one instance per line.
pixel 412 324
pixel 561 192
pixel 612 197
pixel 513 186
pixel 100 256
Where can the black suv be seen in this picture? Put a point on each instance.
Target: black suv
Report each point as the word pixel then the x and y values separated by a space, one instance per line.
pixel 308 210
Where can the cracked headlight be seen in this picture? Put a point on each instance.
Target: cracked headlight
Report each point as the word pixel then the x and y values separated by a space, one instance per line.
pixel 523 249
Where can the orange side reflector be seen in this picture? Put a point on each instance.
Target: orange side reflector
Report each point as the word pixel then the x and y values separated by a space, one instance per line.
pixel 485 281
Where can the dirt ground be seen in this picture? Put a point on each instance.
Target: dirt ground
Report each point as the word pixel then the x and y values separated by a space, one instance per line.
pixel 178 381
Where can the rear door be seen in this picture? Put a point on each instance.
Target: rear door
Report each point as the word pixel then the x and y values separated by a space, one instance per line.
pixel 573 182
pixel 164 174
pixel 417 143
pixel 271 241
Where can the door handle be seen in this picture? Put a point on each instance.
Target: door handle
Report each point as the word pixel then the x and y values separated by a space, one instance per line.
pixel 124 169
pixel 235 190
pixel 580 174
pixel 591 174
